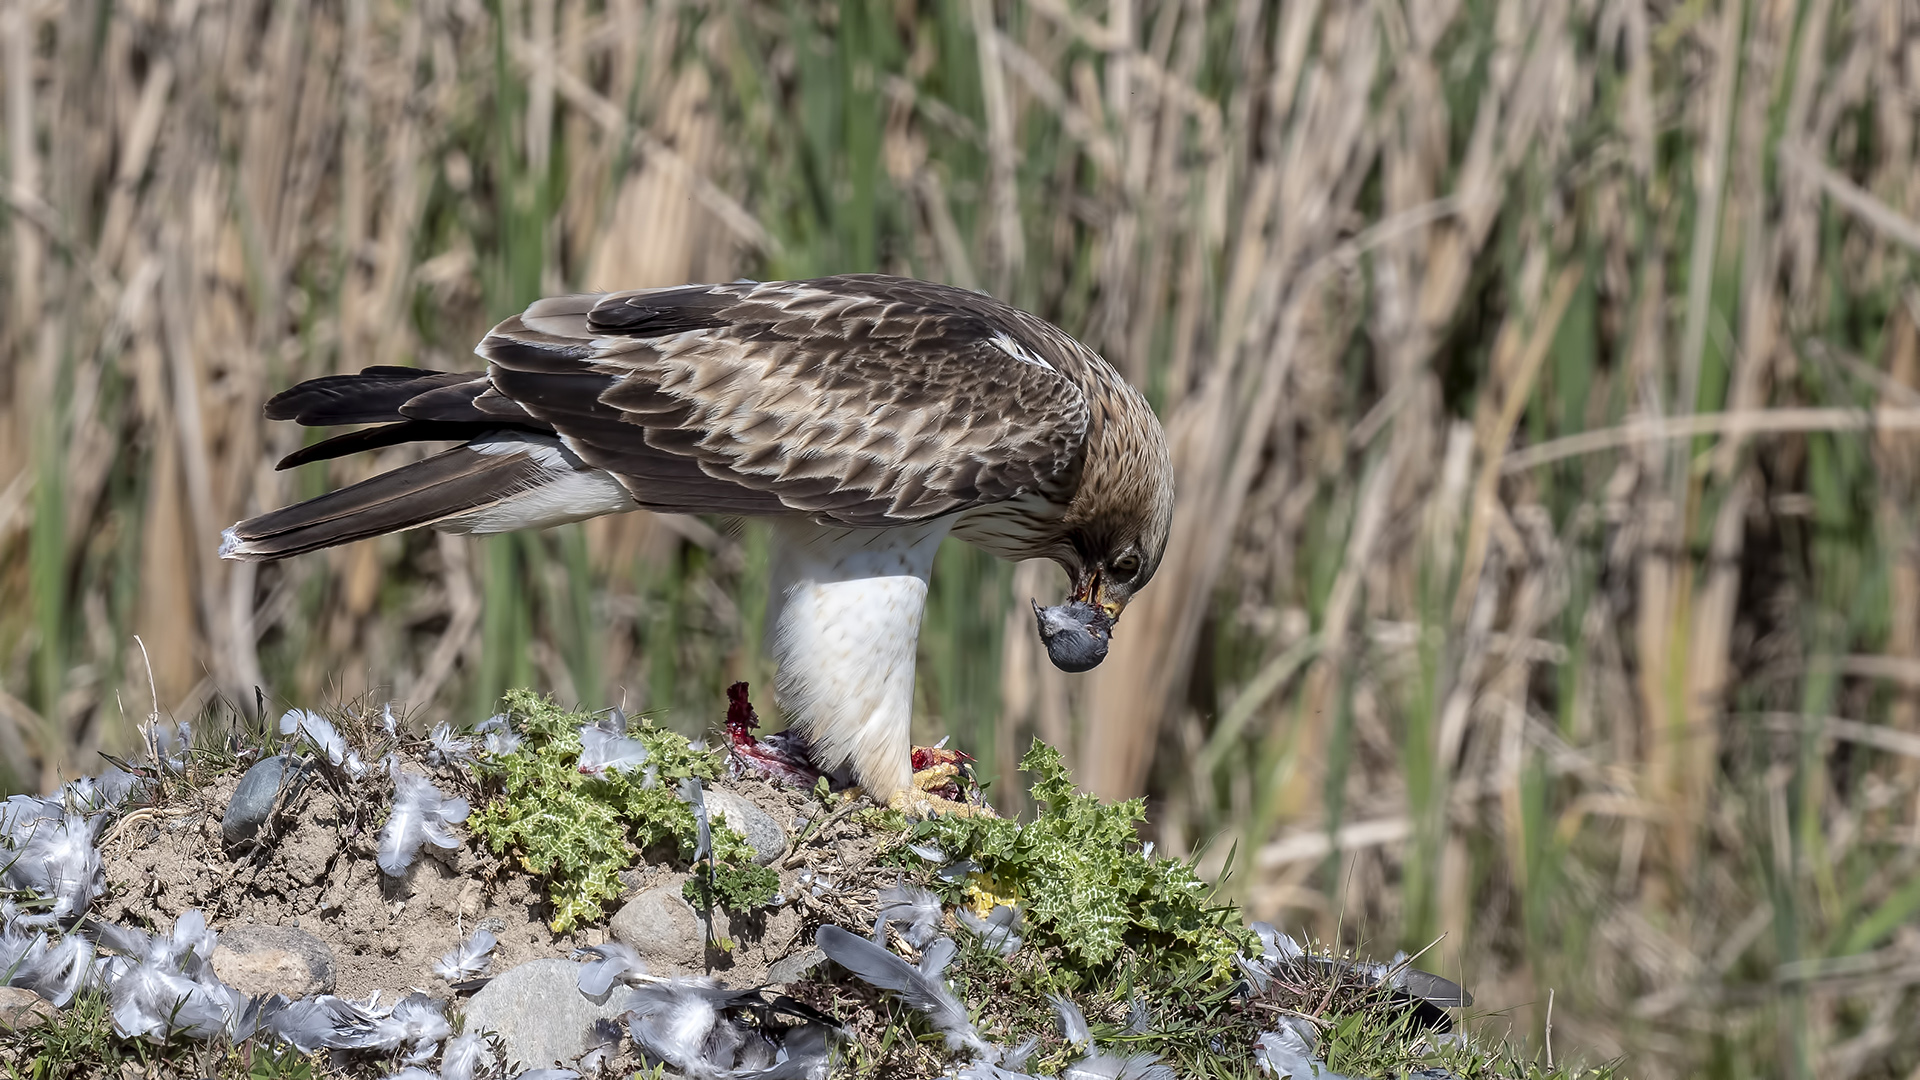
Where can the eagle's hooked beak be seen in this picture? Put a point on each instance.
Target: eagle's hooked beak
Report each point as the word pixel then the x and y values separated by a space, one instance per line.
pixel 1094 591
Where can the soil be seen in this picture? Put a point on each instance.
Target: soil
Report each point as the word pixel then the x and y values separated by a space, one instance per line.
pixel 314 869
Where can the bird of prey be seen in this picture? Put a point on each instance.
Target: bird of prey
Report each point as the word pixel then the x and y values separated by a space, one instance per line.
pixel 867 417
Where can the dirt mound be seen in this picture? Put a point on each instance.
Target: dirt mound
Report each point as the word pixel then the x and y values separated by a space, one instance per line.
pixel 314 869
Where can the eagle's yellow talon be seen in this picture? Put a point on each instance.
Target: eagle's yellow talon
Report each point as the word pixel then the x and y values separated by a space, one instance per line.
pixel 917 802
pixel 935 776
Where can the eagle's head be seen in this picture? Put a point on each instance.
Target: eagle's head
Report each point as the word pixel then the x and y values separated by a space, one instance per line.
pixel 1116 533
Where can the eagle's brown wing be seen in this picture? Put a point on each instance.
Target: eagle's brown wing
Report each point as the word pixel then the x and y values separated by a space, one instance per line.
pixel 861 400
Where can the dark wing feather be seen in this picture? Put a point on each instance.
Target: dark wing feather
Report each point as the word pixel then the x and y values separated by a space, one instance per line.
pixel 864 400
pixel 374 438
pixel 373 396
pixel 445 485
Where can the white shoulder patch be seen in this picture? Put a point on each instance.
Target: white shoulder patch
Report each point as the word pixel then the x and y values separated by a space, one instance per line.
pixel 546 451
pixel 1005 343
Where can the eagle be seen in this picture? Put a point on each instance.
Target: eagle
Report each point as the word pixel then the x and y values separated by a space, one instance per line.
pixel 866 417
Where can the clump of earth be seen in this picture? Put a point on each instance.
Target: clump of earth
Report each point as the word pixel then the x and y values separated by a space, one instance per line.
pixel 303 907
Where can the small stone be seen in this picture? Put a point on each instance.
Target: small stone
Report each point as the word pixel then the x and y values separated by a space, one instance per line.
pixel 769 840
pixel 21 1008
pixel 664 928
pixel 252 801
pixel 542 1017
pixel 273 960
pixel 795 967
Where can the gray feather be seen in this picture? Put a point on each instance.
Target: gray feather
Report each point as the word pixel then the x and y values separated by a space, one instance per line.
pixel 919 987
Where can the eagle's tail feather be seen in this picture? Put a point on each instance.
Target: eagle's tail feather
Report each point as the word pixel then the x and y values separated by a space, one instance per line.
pixel 447 486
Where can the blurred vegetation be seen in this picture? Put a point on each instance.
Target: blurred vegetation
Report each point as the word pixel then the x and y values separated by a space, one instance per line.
pixel 1544 378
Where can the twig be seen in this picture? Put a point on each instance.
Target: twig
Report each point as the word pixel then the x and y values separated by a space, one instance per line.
pixel 153 715
pixel 851 803
pixel 1878 736
pixel 1744 422
pixel 1407 961
pixel 1851 197
pixel 1549 1027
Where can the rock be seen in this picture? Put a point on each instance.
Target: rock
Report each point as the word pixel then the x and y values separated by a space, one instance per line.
pixel 769 840
pixel 795 967
pixel 664 928
pixel 541 1015
pixel 252 801
pixel 273 960
pixel 22 1008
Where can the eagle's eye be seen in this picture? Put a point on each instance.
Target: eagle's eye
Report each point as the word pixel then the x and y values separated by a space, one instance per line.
pixel 1126 565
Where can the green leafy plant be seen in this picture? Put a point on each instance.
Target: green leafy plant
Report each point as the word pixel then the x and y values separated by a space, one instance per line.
pixel 579 832
pixel 1086 885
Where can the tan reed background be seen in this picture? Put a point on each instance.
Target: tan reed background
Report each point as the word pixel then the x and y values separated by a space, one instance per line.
pixel 1544 377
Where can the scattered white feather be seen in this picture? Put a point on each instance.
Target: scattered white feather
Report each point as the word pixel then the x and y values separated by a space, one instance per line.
pixel 1275 945
pixel 920 987
pixel 500 743
pixel 255 1016
pixel 317 1023
pixel 959 870
pixel 15 946
pixel 548 1074
pixel 60 971
pixel 1073 1022
pixel 49 853
pixel 445 748
pixel 55 972
pixel 153 1002
pixel 916 913
pixel 1276 948
pixel 597 1060
pixel 166 985
pixel 602 750
pixel 1097 1065
pixel 414 1072
pixel 389 721
pixel 464 1058
pixel 90 794
pixel 1289 1052
pixel 317 732
pixel 469 959
pixel 999 931
pixel 416 1025
pixel 683 1023
pixel 695 797
pixel 613 961
pixel 1001 1064
pixel 20 813
pixel 1120 1067
pixel 421 814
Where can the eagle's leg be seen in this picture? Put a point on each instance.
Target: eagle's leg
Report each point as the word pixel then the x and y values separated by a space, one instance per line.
pixel 843 625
